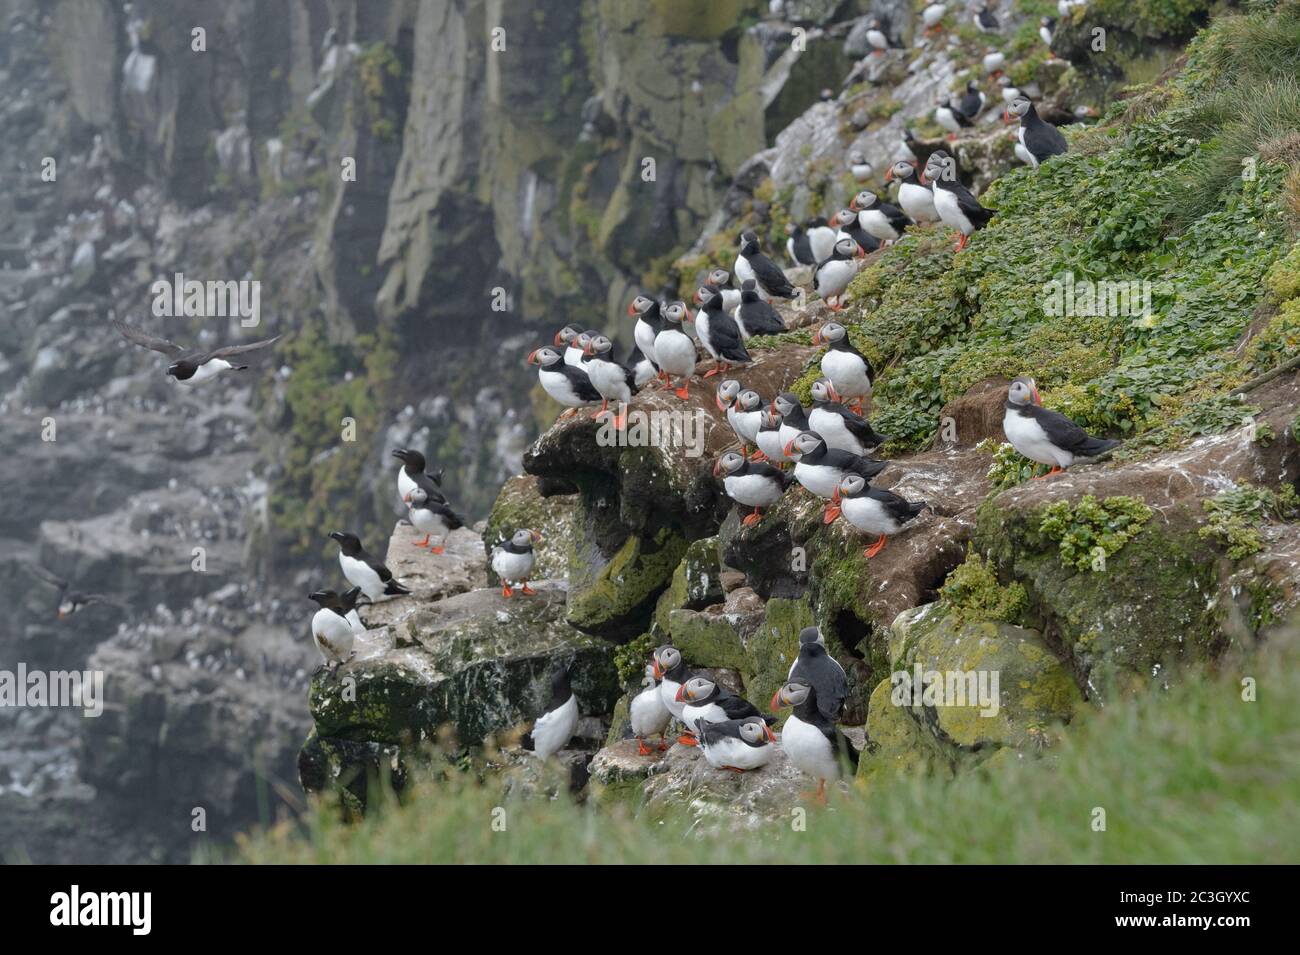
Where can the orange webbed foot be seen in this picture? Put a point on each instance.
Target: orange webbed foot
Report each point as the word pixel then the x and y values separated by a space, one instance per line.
pixel 437 550
pixel 642 749
pixel 506 591
pixel 875 548
pixel 752 519
pixel 832 511
pixel 683 392
pixel 687 739
pixel 525 589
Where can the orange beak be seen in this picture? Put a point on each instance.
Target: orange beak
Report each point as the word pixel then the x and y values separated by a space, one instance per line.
pixel 689 316
pixel 1037 400
pixel 656 669
pixel 696 297
pixel 717 400
pixel 717 469
pixel 537 538
pixel 788 450
pixel 771 737
pixel 587 350
pixel 558 340
pixel 817 337
pixel 776 701
pixel 853 203
pixel 631 309
pixel 830 390
pixel 681 691
pixel 532 357
pixel 836 495
pixel 889 174
pixel 920 177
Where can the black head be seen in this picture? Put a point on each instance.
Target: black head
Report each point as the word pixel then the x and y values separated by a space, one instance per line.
pixel 748 243
pixel 326 598
pixel 413 459
pixel 811 636
pixel 643 306
pixel 182 370
pixel 348 599
pixel 561 689
pixel 748 291
pixel 348 543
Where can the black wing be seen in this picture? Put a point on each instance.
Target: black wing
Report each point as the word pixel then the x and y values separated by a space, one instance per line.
pixel 761 318
pixel 142 338
pixel 900 508
pixel 736 707
pixel 453 519
pixel 828 681
pixel 1064 433
pixel 769 276
pixel 428 484
pixel 896 216
pixel 854 463
pixel 582 386
pixel 376 565
pixel 857 425
pixel 1045 140
pixel 227 351
pixel 724 336
pixel 969 205
pixel 762 469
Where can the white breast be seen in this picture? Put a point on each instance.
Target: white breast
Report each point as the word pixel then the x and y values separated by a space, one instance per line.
pixel 675 352
pixel 206 371
pixel 1028 437
pixel 354 621
pixel 730 299
pixel 808 749
pixel 648 714
pixel 405 484
pixel 818 478
pixel 512 568
pixel 918 202
pixel 668 693
pixel 747 424
pixel 730 751
pixel 554 729
pixel 876 223
pixel 428 521
pixel 833 431
pixel 744 272
pixel 702 329
pixel 362 575
pixel 867 515
pixel 332 634
pixel 847 373
pixel 555 384
pixel 834 277
pixel 752 490
pixel 945 203
pixel 609 379
pixel 572 355
pixel 822 240
pixel 645 339
pixel 770 443
pixel 709 711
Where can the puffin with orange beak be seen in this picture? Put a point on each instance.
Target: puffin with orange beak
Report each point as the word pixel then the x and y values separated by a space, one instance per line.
pixel 648 714
pixel 649 323
pixel 567 384
pixel 751 263
pixel 849 225
pixel 883 220
pixel 956 205
pixel 751 483
pixel 847 369
pixel 674 349
pixel 809 738
pixel 874 510
pixel 1039 139
pixel 71 600
pixel 833 276
pixel 614 380
pixel 838 426
pixel 1047 437
pixel 567 338
pixel 513 561
pixel 769 435
pixel 914 196
pixel 669 668
pixel 703 699
pixel 815 666
pixel 718 331
pixel 737 745
pixel 821 469
pixel 755 316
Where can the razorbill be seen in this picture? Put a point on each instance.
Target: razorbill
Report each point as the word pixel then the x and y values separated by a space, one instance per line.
pixel 191 366
pixel 364 571
pixel 413 466
pixel 330 629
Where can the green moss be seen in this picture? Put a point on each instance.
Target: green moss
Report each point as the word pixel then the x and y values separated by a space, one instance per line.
pixel 633 577
pixel 1236 516
pixel 972 592
pixel 1090 532
pixel 631 658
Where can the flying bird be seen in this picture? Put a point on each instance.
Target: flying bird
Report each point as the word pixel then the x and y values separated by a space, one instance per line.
pixel 191 366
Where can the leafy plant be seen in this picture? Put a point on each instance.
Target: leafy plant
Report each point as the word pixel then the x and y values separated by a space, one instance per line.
pixel 1090 532
pixel 972 592
pixel 1236 515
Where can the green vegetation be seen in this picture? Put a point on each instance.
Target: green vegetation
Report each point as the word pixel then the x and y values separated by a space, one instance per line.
pixel 1090 532
pixel 1191 775
pixel 1236 515
pixel 972 592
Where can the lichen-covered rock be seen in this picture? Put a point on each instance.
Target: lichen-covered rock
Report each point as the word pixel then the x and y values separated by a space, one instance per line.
pixel 520 504
pixel 897 745
pixel 428 576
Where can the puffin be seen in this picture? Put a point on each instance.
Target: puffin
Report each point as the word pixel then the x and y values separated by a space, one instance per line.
pixel 798 248
pixel 751 483
pixel 847 369
pixel 71 599
pixel 755 316
pixel 984 19
pixel 883 220
pixel 858 166
pixel 746 418
pixel 1040 140
pixel 721 280
pixel 649 715
pixel 567 384
pixel 877 37
pixel 753 264
pixel 820 236
pixel 809 739
pixel 1047 437
pixel 433 516
pixel 412 469
pixel 914 198
pixel 769 436
pixel 834 275
pixel 972 101
pixel 703 699
pixel 725 398
pixel 552 730
pixel 950 118
pixel 993 61
pixel 838 426
pixel 365 571
pixel 513 560
pixel 670 670
pixel 956 205
pixel 932 17
pixel 613 380
pixel 330 629
pixel 1046 29
pixel 849 226
pixel 648 324
pixel 816 667
pixel 644 370
pixel 794 419
pixel 737 745
pixel 674 349
pixel 718 331
pixel 821 469
pixel 874 510
pixel 191 366
pixel 567 338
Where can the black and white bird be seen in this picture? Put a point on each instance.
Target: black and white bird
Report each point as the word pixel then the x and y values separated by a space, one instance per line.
pixel 794 418
pixel 839 426
pixel 994 59
pixel 915 199
pixel 674 349
pixel 950 117
pixel 513 561
pixel 1046 30
pixel 755 316
pixel 71 599
pixel 877 37
pixel 932 17
pixel 1040 140
pixel 615 381
pixel 821 237
pixel 815 666
pixel 670 670
pixel 331 630
pixel 364 570
pixel 751 483
pixel 433 516
pixel 834 275
pixel 738 745
pixel 984 19
pixel 874 510
pixel 847 369
pixel 191 366
pixel 567 384
pixel 721 280
pixel 567 338
pixel 859 168
pixel 751 263
pixel 972 101
pixel 413 468
pixel 703 699
pixel 1047 437
pixel 798 248
pixel 809 739
pixel 718 331
pixel 725 398
pixel 648 324
pixel 821 469
pixel 552 730
pixel 769 435
pixel 745 417
pixel 644 371
pixel 850 227
pixel 956 205
pixel 881 219
pixel 649 715
pixel 349 601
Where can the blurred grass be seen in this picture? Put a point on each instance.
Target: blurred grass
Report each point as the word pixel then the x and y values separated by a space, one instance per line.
pixel 1192 775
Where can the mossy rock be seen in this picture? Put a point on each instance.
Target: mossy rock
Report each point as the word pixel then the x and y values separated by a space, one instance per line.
pixel 618 601
pixel 696 583
pixel 521 505
pixel 898 744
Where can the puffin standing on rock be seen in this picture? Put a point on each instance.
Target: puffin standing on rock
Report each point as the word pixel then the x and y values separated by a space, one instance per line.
pixel 567 384
pixel 613 380
pixel 769 436
pixel 703 699
pixel 718 331
pixel 838 426
pixel 809 738
pixel 674 349
pixel 821 469
pixel 751 483
pixel 874 510
pixel 670 670
pixel 737 745
pixel 433 516
pixel 755 316
pixel 513 560
pixel 745 417
pixel 816 667
pixel 956 205
pixel 554 728
pixel 1047 437
pixel 751 263
pixel 794 418
pixel 649 715
pixel 834 275
pixel 847 369
pixel 364 570
pixel 1040 140
pixel 648 324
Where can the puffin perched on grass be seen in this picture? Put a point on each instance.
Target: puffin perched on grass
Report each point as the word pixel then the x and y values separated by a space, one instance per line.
pixel 956 205
pixel 849 225
pixel 881 219
pixel 751 263
pixel 1047 437
pixel 839 426
pixel 874 510
pixel 751 483
pixel 1039 139
pixel 914 198
pixel 847 369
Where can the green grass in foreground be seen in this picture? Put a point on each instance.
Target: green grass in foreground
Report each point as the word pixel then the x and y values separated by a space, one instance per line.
pixel 1194 775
